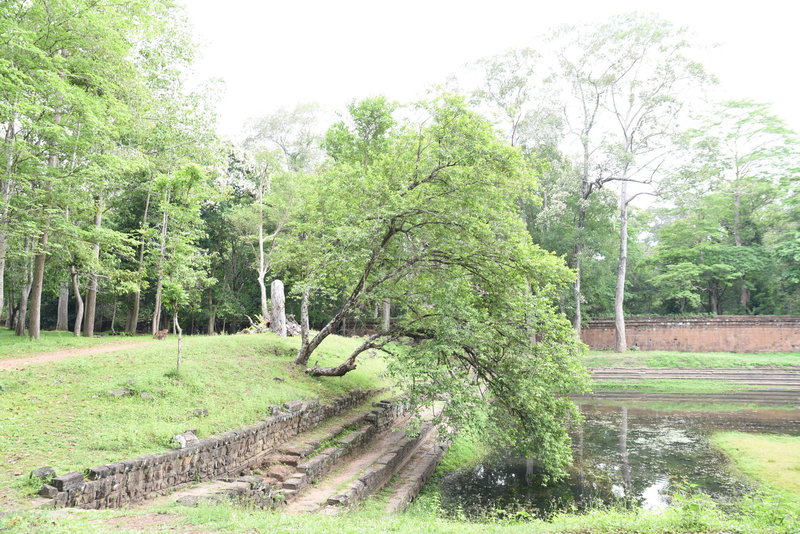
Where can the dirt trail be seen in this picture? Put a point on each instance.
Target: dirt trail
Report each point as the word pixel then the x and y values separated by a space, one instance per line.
pixel 44 357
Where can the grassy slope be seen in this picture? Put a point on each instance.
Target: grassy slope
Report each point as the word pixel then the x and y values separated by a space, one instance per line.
pixel 693 360
pixel 770 459
pixel 60 414
pixel 12 346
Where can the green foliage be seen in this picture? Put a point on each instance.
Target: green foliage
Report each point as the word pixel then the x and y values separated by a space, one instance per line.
pixel 426 215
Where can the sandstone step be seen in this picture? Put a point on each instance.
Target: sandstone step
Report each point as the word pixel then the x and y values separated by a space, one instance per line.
pixel 376 475
pixel 412 477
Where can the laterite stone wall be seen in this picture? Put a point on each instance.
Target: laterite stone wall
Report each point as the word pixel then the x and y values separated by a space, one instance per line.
pixel 120 484
pixel 722 333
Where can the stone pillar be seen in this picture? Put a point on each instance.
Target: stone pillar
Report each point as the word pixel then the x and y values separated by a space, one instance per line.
pixel 278 315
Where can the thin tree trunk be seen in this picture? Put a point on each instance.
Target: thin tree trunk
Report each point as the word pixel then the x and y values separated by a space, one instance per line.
pixel 303 323
pixel 22 310
pixel 133 315
pixel 113 316
pixel 91 294
pixel 263 289
pixel 179 331
pixel 63 308
pixel 278 323
pixel 34 327
pixel 262 260
pixel 621 344
pixel 34 320
pixel 160 282
pixel 10 311
pixel 76 290
pixel 576 318
pixel 386 322
pixel 5 195
pixel 22 307
pixel 212 314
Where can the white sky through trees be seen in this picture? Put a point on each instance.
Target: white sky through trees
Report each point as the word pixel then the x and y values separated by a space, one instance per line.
pixel 280 53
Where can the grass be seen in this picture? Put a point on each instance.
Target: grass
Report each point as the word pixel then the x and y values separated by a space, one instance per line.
pixel 12 346
pixel 690 406
pixel 467 450
pixel 674 385
pixel 689 514
pixel 772 460
pixel 60 413
pixel 691 360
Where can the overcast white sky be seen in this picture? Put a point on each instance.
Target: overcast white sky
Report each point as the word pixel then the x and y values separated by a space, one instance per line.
pixel 274 54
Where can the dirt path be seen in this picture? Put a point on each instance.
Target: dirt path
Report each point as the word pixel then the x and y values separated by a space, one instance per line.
pixel 53 356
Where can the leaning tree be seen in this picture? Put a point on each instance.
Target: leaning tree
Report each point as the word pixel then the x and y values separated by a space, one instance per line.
pixel 426 215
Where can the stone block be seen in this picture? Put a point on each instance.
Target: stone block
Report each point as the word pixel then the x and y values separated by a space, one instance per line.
pixel 98 472
pixel 294 406
pixel 43 473
pixel 48 491
pixel 68 481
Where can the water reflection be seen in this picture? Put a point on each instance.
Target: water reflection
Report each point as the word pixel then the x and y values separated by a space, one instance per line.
pixel 623 456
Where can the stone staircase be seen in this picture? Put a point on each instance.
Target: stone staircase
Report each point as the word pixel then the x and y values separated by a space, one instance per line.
pixel 336 466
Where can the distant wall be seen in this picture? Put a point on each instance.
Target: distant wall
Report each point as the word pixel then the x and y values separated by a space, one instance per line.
pixel 722 333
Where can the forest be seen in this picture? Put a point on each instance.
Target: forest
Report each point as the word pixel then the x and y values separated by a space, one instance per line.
pixel 598 166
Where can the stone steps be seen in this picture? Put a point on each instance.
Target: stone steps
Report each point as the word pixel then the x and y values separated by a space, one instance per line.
pixel 294 465
pixel 378 474
pixel 412 477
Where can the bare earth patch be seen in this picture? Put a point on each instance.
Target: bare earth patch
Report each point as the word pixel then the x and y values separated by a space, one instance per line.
pixel 45 357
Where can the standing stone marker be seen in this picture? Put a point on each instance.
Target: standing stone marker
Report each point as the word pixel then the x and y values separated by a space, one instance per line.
pixel 278 308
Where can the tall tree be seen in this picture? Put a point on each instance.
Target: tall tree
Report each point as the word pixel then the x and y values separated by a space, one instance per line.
pixel 628 77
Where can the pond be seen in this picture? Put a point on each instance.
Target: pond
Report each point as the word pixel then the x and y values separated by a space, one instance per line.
pixel 623 455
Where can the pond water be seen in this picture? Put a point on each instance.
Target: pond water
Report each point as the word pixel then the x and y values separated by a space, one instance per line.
pixel 624 456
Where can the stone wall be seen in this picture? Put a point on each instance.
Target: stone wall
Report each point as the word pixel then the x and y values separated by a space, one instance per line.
pixel 722 333
pixel 124 483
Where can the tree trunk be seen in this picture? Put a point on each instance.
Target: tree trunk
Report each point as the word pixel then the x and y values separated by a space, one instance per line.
pixel 179 331
pixel 63 308
pixel 278 322
pixel 160 283
pixel 22 310
pixel 386 323
pixel 713 300
pixel 133 314
pixel 263 184
pixel 10 311
pixel 576 318
pixel 5 195
pixel 212 315
pixel 621 344
pixel 3 246
pixel 303 323
pixel 744 292
pixel 263 289
pixel 34 326
pixel 330 327
pixel 91 294
pixel 76 290
pixel 113 317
